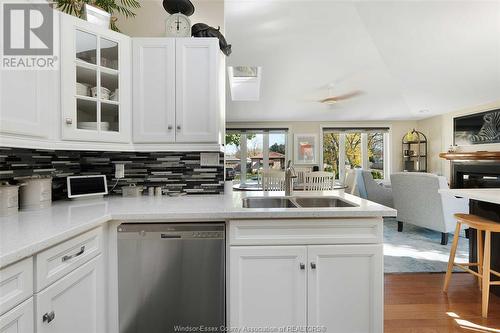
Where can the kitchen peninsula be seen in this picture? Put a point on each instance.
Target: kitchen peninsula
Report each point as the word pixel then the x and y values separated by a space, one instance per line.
pixel 296 265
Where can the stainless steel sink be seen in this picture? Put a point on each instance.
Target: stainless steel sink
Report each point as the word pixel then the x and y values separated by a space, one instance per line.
pixel 318 202
pixel 259 202
pixel 295 202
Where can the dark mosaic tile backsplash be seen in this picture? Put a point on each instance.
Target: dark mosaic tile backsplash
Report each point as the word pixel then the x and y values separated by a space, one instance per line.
pixel 173 171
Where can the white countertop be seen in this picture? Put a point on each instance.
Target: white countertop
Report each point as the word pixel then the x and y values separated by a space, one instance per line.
pixel 27 233
pixel 480 194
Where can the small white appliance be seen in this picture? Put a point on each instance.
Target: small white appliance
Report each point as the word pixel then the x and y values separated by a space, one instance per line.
pixel 87 186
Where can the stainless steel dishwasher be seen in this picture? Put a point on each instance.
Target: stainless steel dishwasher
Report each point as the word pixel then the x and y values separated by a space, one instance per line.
pixel 171 277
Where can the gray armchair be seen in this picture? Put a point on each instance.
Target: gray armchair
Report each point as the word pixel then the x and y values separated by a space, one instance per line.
pixel 369 189
pixel 417 200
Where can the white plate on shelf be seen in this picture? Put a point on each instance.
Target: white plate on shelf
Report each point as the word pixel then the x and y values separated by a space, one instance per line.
pixel 82 89
pixel 92 125
pixel 104 92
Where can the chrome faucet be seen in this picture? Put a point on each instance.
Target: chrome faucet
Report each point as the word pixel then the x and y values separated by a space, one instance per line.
pixel 289 176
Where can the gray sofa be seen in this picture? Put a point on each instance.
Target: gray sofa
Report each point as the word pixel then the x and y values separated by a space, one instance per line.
pixel 369 189
pixel 417 200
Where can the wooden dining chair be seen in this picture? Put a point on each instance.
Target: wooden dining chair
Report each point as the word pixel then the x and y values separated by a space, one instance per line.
pixel 319 181
pixel 273 180
pixel 351 182
pixel 301 175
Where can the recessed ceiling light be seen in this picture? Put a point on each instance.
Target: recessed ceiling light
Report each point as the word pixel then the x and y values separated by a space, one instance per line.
pixel 423 111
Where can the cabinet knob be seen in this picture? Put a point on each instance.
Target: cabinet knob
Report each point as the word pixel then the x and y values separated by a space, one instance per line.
pixel 313 265
pixel 302 265
pixel 170 127
pixel 69 121
pixel 178 127
pixel 48 317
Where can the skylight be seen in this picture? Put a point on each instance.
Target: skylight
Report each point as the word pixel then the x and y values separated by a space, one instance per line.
pixel 244 82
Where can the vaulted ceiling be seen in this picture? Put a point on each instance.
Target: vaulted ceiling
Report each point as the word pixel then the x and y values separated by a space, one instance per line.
pixel 405 57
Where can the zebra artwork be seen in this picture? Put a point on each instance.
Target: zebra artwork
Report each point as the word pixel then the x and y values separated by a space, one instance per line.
pixel 480 128
pixel 490 131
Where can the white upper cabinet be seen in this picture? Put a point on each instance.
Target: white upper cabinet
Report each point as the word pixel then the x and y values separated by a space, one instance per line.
pixel 178 95
pixel 197 86
pixel 29 100
pixel 95 82
pixel 345 288
pixel 154 90
pixel 177 90
pixel 267 286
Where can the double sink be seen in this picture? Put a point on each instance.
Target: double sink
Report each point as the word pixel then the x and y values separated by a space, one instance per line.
pixel 295 202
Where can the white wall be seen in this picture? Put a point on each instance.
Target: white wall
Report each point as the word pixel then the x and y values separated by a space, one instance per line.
pixel 439 131
pixel 398 130
pixel 150 18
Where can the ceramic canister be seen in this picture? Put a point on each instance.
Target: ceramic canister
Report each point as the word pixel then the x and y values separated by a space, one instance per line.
pixel 8 199
pixel 36 193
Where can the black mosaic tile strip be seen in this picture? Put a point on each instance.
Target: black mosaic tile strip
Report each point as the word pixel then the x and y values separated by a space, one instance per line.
pixel 173 171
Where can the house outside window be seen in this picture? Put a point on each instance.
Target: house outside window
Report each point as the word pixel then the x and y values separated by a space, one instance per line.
pixel 349 148
pixel 250 151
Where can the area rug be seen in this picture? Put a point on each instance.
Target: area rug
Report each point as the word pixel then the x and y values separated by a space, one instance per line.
pixel 418 249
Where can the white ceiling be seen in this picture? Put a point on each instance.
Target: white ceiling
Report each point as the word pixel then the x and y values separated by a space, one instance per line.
pixel 405 56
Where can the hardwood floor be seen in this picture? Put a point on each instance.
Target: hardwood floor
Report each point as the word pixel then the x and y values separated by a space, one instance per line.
pixel 415 303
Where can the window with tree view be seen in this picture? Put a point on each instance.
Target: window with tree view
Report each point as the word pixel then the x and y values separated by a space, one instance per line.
pixel 248 152
pixel 349 148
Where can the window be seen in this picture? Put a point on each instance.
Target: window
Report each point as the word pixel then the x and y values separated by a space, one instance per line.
pixel 349 148
pixel 249 151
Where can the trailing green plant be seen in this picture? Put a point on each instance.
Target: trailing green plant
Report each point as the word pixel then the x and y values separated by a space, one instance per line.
pixel 123 7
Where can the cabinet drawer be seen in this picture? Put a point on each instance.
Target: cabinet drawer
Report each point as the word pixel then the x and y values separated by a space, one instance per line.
pixel 18 320
pixel 314 231
pixel 61 259
pixel 75 303
pixel 16 284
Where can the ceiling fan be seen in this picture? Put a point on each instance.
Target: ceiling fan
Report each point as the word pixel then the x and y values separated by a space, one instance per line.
pixel 333 99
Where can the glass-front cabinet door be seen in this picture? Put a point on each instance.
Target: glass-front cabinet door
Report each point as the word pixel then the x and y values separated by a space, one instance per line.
pixel 95 83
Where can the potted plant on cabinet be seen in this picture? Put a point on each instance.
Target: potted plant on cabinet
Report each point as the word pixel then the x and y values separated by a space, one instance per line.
pixel 82 8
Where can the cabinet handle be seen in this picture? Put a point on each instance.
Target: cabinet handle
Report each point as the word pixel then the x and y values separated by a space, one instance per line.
pixel 313 265
pixel 69 121
pixel 48 317
pixel 178 127
pixel 79 253
pixel 170 127
pixel 302 265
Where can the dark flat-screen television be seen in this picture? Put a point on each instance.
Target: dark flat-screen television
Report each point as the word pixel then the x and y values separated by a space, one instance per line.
pixel 478 128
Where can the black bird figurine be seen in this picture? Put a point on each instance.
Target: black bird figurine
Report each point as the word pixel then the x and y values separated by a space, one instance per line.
pixel 178 6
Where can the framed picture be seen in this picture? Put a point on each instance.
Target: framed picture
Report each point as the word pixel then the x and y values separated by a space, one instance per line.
pixel 478 128
pixel 305 149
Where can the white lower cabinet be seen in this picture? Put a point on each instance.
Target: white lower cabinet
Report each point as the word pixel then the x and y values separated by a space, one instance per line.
pixel 19 319
pixel 336 288
pixel 268 286
pixel 345 288
pixel 75 303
